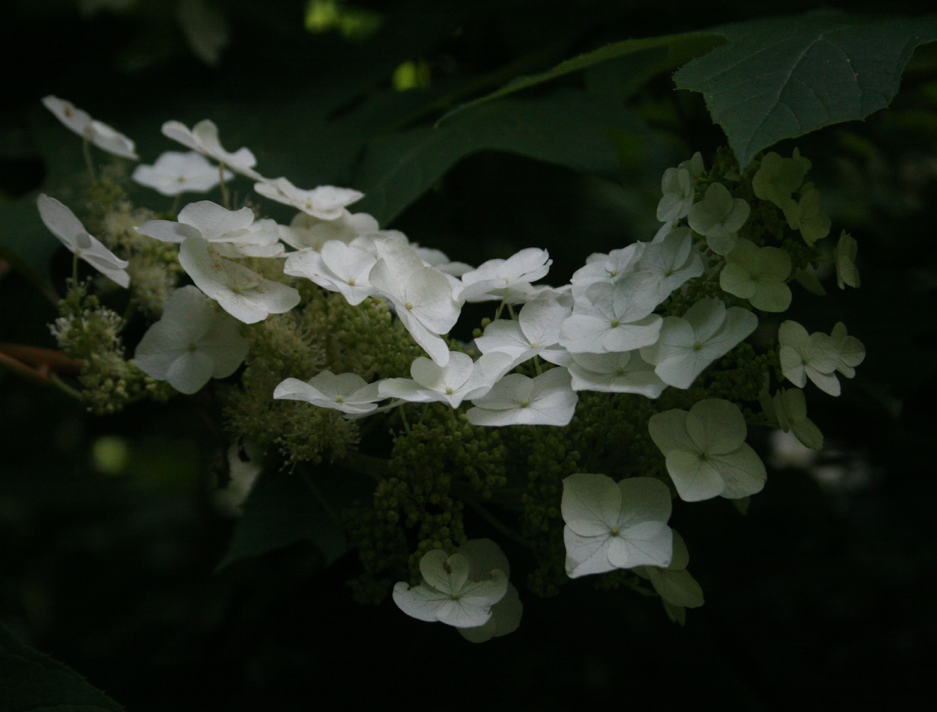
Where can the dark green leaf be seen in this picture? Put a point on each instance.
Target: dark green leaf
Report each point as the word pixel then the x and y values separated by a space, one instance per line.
pixel 670 52
pixel 784 77
pixel 285 508
pixel 33 682
pixel 569 128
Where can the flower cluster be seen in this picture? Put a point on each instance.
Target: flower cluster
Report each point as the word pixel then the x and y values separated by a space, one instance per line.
pixel 337 320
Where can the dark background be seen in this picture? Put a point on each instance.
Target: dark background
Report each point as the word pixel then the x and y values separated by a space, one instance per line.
pixel 821 597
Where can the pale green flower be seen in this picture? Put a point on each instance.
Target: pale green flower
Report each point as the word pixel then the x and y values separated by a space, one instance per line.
pixel 778 177
pixel 719 217
pixel 814 356
pixel 806 216
pixel 758 274
pixel 845 256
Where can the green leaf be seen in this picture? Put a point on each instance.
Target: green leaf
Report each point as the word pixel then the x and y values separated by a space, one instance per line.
pixel 285 508
pixel 652 54
pixel 33 682
pixel 569 128
pixel 785 77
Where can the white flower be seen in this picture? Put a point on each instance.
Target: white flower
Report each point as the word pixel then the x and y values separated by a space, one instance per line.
pixel 448 595
pixel 813 356
pixel 458 380
pixel 614 317
pixel 305 231
pixel 673 583
pixel 806 216
pixel 694 165
pixel 677 187
pixel 325 202
pixel 547 399
pixel 495 279
pixel 624 372
pixel 789 408
pixel 536 332
pixel 850 351
pixel 615 526
pixel 706 452
pixel 719 217
pixel 421 295
pixel 347 392
pixel 191 343
pixel 232 233
pixel 688 344
pixel 241 292
pixel 440 260
pixel 758 274
pixel 98 133
pixel 845 256
pixel 672 260
pixel 175 172
pixel 64 225
pixel 203 138
pixel 338 268
pixel 485 556
pixel 606 268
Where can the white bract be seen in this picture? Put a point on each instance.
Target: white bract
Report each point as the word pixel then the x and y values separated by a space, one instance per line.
pixel 706 452
pixel 789 408
pixel 64 225
pixel 191 344
pixel 306 231
pixel 536 332
pixel 624 372
pixel 203 138
pixel 495 279
pixel 447 594
pixel 673 583
pixel 485 556
pixel 175 172
pixel 845 256
pixel 325 202
pixel 606 268
pixel 677 187
pixel 339 267
pixel 98 133
pixel 614 317
pixel 672 260
pixel 347 392
pixel 688 344
pixel 547 399
pixel 240 291
pixel 805 215
pixel 718 217
pixel 849 350
pixel 232 233
pixel 421 295
pixel 615 526
pixel 458 380
pixel 758 274
pixel 814 356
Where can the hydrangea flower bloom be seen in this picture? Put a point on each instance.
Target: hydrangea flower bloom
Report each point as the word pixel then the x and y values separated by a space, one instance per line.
pixel 547 399
pixel 814 356
pixel 347 392
pixel 688 344
pixel 789 408
pixel 98 133
pixel 535 332
pixel 758 274
pixel 614 317
pixel 673 260
pixel 718 217
pixel 845 256
pixel 677 187
pixel 849 350
pixel 305 231
pixel 232 233
pixel 805 215
pixel 624 372
pixel 447 594
pixel 421 295
pixel 485 556
pixel 191 343
pixel 325 202
pixel 203 138
pixel 673 583
pixel 493 279
pixel 778 177
pixel 615 526
pixel 458 380
pixel 64 225
pixel 339 267
pixel 606 268
pixel 175 172
pixel 706 452
pixel 240 291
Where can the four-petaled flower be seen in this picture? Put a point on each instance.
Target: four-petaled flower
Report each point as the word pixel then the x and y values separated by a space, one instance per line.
pixel 175 172
pixel 98 133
